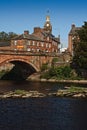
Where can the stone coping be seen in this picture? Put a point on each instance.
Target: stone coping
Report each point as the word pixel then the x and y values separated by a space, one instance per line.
pixel 61 81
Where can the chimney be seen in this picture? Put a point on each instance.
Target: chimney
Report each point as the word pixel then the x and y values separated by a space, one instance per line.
pixel 37 29
pixel 26 32
pixel 73 25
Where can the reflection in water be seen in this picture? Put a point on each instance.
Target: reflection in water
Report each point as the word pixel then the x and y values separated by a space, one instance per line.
pixel 47 113
pixel 43 114
pixel 26 85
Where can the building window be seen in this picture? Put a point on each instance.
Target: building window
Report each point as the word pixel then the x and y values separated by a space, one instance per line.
pixel 28 49
pixel 46 44
pixel 46 50
pixel 42 44
pixel 49 45
pixel 33 43
pixel 47 38
pixel 15 49
pixel 37 43
pixel 52 49
pixel 53 43
pixel 28 43
pixel 33 50
pixel 37 50
pixel 15 43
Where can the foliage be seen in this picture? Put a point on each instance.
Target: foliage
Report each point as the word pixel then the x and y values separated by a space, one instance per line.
pixel 6 37
pixel 44 67
pixel 55 60
pixel 18 91
pixel 79 61
pixel 62 72
pixel 76 89
pixel 2 73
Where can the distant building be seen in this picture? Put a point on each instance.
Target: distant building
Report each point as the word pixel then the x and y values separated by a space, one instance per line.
pixel 71 36
pixel 41 40
pixel 63 50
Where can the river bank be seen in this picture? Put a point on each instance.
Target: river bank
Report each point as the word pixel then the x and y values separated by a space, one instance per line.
pixel 36 77
pixel 73 92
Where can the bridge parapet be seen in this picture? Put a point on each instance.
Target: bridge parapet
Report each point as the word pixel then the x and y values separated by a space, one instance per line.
pixel 34 59
pixel 18 52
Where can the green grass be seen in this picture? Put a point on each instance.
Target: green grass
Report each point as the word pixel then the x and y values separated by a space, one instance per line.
pixel 76 89
pixel 20 91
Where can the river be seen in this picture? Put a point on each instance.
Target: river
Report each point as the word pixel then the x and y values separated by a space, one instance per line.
pixel 42 113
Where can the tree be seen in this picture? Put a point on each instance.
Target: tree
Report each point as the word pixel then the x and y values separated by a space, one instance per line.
pixel 79 61
pixel 6 37
pixel 12 35
pixel 3 36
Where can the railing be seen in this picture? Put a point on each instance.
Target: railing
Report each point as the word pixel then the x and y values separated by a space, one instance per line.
pixel 27 53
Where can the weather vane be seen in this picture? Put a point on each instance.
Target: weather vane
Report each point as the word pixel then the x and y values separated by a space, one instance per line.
pixel 48 12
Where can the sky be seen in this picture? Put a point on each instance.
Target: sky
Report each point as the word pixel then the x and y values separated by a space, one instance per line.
pixel 19 15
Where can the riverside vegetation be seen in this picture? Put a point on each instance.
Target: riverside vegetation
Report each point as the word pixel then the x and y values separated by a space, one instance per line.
pixel 62 72
pixel 72 91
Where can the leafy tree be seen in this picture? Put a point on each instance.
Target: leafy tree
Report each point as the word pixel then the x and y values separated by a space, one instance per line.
pixel 3 36
pixel 79 61
pixel 12 35
pixel 6 37
pixel 62 72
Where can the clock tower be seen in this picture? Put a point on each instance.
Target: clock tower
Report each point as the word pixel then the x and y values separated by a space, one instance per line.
pixel 47 25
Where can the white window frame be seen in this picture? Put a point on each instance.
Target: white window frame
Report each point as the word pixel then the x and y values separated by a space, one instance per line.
pixel 15 43
pixel 33 43
pixel 37 43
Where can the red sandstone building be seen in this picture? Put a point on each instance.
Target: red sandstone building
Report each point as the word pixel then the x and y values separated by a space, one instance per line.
pixel 41 40
pixel 71 36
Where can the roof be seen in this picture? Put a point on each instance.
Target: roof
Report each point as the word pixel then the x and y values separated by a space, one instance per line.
pixel 4 44
pixel 28 37
pixel 74 30
pixel 37 37
pixel 51 36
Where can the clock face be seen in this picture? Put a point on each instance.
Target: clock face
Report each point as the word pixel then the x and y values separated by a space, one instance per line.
pixel 47 25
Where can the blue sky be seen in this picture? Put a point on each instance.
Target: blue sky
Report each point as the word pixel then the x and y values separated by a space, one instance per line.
pixel 19 15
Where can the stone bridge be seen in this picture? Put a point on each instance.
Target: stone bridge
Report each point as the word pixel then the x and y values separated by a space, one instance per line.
pixel 27 62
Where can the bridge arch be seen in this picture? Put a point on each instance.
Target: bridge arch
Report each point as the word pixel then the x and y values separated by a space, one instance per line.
pixel 9 60
pixel 20 70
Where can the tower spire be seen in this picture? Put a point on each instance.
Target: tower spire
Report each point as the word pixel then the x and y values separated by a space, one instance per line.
pixel 47 16
pixel 47 25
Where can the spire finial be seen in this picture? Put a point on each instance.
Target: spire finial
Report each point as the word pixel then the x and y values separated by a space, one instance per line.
pixel 48 12
pixel 48 17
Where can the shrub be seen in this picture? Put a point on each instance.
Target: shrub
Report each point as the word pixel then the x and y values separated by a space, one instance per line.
pixel 44 67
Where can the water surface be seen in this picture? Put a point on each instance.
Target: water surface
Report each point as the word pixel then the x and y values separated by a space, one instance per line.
pixel 46 113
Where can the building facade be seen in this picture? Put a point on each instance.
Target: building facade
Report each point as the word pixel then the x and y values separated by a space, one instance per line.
pixel 71 37
pixel 41 40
